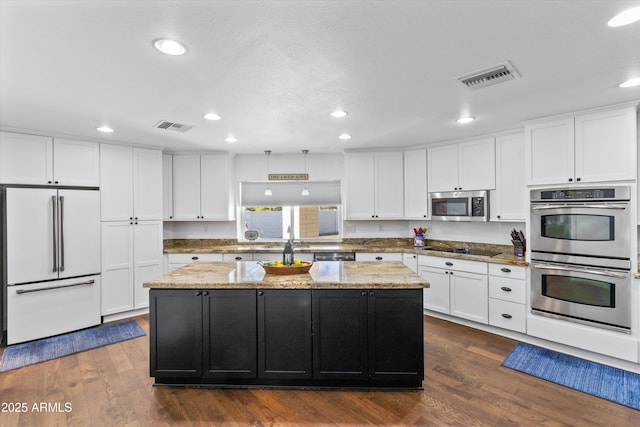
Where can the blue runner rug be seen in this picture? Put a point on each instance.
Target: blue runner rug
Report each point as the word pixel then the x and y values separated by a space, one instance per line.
pixel 19 355
pixel 606 382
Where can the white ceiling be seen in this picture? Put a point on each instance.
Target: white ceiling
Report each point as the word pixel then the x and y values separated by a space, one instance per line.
pixel 274 70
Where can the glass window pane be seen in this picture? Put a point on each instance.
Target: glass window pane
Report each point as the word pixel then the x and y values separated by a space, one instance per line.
pixel 579 290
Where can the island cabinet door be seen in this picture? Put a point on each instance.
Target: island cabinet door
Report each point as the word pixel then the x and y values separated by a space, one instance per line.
pixel 230 333
pixel 340 334
pixel 396 351
pixel 284 334
pixel 175 333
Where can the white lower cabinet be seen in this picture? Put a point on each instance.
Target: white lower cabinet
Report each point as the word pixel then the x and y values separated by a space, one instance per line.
pixel 233 257
pixel 131 255
pixel 508 297
pixel 379 256
pixel 457 287
pixel 180 260
pixel 411 261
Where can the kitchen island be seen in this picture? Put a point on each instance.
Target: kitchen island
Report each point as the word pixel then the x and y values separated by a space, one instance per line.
pixel 342 325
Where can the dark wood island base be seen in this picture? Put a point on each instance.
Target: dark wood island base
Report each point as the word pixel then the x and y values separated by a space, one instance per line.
pixel 253 333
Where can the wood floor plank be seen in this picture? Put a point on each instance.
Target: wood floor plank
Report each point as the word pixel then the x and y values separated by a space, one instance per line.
pixel 464 386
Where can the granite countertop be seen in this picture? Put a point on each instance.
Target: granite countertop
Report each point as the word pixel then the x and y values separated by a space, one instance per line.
pixel 433 248
pixel 323 275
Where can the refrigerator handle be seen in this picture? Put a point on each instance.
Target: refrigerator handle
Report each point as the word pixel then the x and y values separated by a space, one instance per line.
pixel 61 232
pixel 54 204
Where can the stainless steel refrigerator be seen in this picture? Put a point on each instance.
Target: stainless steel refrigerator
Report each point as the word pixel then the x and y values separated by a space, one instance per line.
pixel 51 260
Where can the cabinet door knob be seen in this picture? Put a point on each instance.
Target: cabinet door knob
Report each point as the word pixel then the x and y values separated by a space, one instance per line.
pixel 505 270
pixel 570 179
pixel 48 182
pixel 364 293
pixel 449 263
pixel 506 289
pixel 506 316
pixel 578 179
pixel 198 293
pixel 205 293
pixel 260 293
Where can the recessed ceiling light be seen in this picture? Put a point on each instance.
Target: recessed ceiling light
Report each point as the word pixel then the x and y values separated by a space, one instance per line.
pixel 631 82
pixel 339 113
pixel 230 139
pixel 625 17
pixel 464 120
pixel 105 129
pixel 344 136
pixel 170 47
pixel 211 116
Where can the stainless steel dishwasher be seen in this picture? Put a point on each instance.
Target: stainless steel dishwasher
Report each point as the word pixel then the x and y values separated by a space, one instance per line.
pixel 334 256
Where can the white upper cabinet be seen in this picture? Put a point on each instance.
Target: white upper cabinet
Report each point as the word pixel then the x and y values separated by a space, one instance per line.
pixel 374 187
pixel 509 201
pixel 465 166
pixel 415 184
pixel 593 147
pixel 167 186
pixel 202 187
pixel 41 160
pixel 130 183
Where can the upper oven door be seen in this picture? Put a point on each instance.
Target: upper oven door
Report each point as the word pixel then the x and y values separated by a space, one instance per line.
pixel 591 229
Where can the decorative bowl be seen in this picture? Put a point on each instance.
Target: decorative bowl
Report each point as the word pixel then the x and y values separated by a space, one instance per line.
pixel 272 268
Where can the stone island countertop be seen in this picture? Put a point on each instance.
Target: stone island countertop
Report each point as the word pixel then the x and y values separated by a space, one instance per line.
pixel 322 275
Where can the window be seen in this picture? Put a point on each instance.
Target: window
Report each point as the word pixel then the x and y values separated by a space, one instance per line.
pixel 293 222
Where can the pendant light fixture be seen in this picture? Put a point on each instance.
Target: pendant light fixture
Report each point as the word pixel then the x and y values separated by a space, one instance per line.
pixel 305 191
pixel 267 192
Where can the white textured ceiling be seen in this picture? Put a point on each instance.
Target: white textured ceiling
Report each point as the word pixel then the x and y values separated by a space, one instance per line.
pixel 274 70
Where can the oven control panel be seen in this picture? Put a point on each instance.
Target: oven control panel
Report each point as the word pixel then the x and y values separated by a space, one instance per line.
pixel 577 194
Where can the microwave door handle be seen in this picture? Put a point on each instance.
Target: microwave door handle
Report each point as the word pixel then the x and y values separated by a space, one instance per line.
pixel 614 207
pixel 586 270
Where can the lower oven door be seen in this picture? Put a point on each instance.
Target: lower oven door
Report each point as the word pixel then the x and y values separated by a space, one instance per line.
pixel 40 310
pixel 598 296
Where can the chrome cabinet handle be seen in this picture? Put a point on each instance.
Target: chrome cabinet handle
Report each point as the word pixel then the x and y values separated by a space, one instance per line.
pixel 61 231
pixel 54 204
pixel 28 291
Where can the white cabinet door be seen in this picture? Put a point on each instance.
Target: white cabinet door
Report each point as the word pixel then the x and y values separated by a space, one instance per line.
pixel 167 186
pixel 25 159
pixel 76 163
pixel 476 165
pixel 379 256
pixel 605 146
pixel 411 261
pixel 549 148
pixel 415 184
pixel 117 267
pixel 214 188
pixel 360 172
pixel 389 184
pixel 147 256
pixel 116 182
pixel 510 198
pixel 436 296
pixel 443 168
pixel 147 184
pixel 131 255
pixel 186 186
pixel 469 296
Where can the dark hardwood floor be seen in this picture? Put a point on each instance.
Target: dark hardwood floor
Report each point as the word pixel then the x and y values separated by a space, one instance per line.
pixel 464 386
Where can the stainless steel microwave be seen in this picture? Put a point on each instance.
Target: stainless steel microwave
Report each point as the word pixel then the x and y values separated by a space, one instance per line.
pixel 460 206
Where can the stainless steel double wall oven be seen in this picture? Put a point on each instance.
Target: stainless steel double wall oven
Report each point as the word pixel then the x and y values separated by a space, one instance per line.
pixel 580 255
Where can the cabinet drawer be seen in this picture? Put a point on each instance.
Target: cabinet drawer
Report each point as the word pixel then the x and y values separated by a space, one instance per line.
pixel 378 256
pixel 503 270
pixel 237 257
pixel 189 258
pixel 453 264
pixel 507 289
pixel 507 315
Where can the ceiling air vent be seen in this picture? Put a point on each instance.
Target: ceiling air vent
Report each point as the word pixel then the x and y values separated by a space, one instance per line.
pixel 163 124
pixel 489 76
